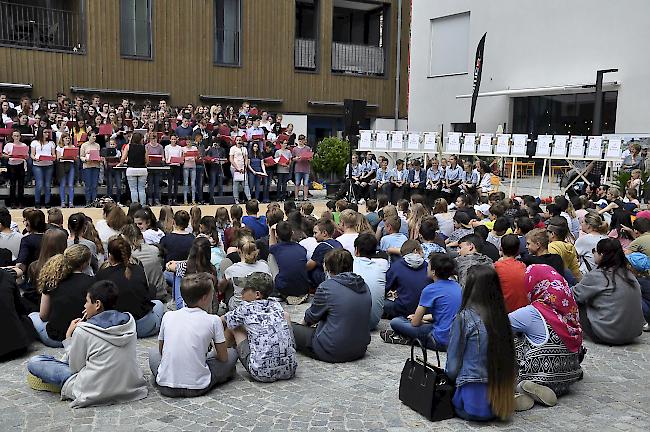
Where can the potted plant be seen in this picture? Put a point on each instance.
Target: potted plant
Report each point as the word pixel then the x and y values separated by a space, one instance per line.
pixel 330 160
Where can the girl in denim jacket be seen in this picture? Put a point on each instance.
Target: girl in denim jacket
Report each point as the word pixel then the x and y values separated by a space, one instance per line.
pixel 480 354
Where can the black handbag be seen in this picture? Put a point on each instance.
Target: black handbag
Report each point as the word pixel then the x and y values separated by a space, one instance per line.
pixel 426 388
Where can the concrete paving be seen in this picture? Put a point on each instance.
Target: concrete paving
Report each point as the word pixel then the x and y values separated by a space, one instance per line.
pixel 357 396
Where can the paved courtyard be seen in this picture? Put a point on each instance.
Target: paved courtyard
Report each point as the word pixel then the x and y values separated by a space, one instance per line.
pixel 361 396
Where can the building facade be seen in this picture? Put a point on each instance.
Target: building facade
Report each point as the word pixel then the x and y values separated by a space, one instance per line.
pixel 300 57
pixel 539 68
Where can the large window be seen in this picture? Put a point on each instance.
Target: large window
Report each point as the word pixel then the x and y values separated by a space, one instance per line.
pixel 449 54
pixel 227 32
pixel 135 28
pixel 568 114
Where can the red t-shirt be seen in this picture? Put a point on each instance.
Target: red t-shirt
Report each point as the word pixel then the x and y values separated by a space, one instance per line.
pixel 512 275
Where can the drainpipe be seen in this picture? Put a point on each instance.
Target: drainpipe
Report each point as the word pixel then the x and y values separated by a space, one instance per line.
pixel 398 67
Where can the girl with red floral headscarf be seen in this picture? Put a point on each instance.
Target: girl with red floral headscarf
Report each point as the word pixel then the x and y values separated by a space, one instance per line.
pixel 548 338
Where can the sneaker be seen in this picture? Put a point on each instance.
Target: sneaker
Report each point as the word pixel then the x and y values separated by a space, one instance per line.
pixel 296 300
pixel 38 384
pixel 392 337
pixel 523 402
pixel 541 394
pixel 646 327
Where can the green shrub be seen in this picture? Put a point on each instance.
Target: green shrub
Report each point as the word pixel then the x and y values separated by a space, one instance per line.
pixel 331 157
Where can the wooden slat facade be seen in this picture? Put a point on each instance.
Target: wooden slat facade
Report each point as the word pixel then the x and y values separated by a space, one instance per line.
pixel 183 58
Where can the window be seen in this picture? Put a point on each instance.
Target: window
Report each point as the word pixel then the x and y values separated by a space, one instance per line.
pixel 449 45
pixel 227 32
pixel 567 114
pixel 135 28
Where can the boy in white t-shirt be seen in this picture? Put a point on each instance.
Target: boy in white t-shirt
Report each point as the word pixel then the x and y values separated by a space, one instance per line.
pixel 192 357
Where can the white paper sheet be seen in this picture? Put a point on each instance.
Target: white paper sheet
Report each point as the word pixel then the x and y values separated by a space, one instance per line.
pixel 519 144
pixel 560 146
pixel 469 144
pixel 543 148
pixel 485 144
pixel 595 147
pixel 365 140
pixel 453 142
pixel 503 145
pixel 430 141
pixel 414 141
pixel 397 141
pixel 614 145
pixel 381 140
pixel 577 148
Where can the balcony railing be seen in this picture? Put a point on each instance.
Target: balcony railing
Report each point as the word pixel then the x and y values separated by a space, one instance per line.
pixel 40 27
pixel 357 59
pixel 304 54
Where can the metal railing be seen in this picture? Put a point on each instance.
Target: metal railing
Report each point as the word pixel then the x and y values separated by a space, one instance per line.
pixel 304 56
pixel 226 45
pixel 40 27
pixel 357 59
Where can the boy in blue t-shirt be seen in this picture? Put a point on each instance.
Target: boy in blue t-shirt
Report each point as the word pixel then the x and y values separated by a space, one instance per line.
pixel 252 221
pixel 439 304
pixel 291 258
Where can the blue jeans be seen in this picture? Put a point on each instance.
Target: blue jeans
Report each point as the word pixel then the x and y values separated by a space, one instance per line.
pixel 176 290
pixel 153 183
pixel 91 178
pixel 216 175
pixel 43 179
pixel 137 186
pixel 39 325
pixel 255 185
pixel 189 181
pixel 49 369
pixel 404 327
pixel 200 173
pixel 113 178
pixel 149 324
pixel 67 182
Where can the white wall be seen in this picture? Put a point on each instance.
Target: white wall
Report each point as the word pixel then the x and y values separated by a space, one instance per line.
pixel 299 123
pixel 388 124
pixel 533 44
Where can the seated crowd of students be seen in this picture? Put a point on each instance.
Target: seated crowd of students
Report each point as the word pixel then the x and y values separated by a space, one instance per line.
pixel 505 288
pixel 93 142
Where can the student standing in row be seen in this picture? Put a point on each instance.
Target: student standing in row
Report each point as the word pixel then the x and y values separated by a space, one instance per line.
pixel 16 170
pixel 89 155
pixel 173 150
pixel 43 154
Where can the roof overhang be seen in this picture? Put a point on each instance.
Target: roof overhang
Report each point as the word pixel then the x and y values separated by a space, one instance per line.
pixel 550 90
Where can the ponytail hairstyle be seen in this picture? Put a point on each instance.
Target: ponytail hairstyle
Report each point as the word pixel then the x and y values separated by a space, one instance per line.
pixel 483 295
pixel 77 226
pixel 61 266
pixel 248 251
pixel 595 221
pixel 236 214
pixel 120 251
pixel 195 217
pixel 198 260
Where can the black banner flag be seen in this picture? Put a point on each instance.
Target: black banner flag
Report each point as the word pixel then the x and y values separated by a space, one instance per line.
pixel 478 67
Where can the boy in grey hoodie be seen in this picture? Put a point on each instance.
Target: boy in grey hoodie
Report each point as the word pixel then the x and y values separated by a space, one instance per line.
pixel 100 364
pixel 469 251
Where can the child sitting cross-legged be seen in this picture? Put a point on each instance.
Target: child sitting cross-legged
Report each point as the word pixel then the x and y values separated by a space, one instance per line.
pixel 100 365
pixel 262 332
pixel 192 357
